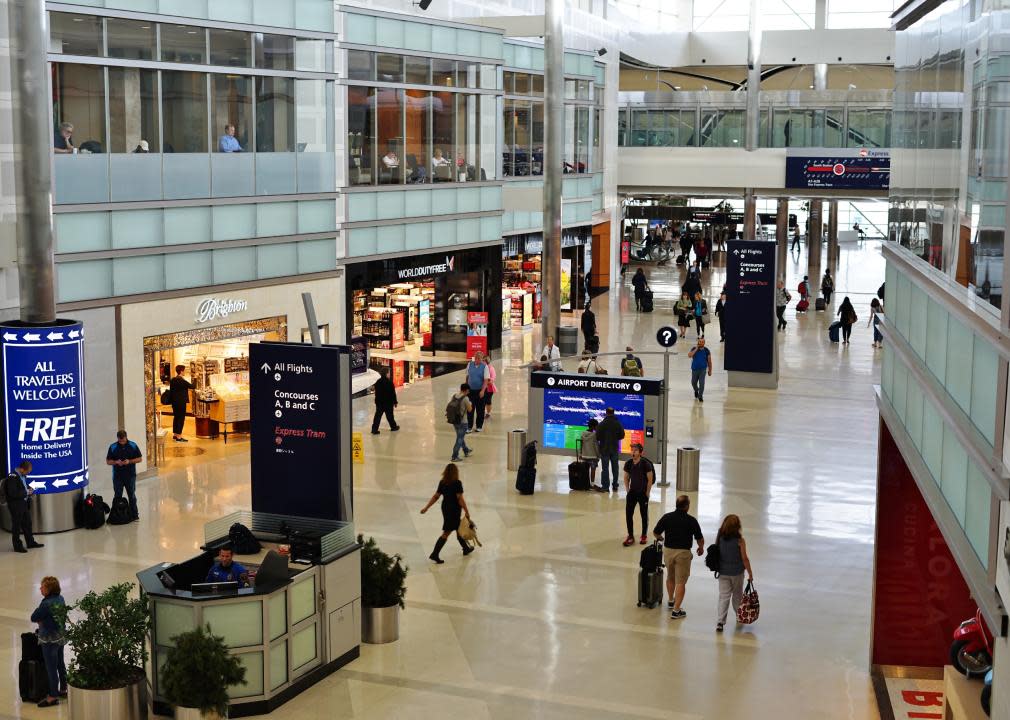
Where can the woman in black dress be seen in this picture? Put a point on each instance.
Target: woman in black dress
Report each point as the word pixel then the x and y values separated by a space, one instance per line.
pixel 847 314
pixel 450 489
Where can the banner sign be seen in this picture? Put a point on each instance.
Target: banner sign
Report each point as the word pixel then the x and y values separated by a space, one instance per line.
pixel 295 429
pixel 598 383
pixel 43 378
pixel 750 306
pixel 839 169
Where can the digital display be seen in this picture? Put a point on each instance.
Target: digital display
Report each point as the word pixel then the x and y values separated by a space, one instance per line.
pixel 567 412
pixel 865 169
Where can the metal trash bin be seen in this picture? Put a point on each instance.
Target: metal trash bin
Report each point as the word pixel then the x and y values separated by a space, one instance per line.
pixel 516 443
pixel 688 459
pixel 568 340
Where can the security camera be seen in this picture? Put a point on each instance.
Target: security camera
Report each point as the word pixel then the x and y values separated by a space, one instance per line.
pixel 423 4
pixel 601 52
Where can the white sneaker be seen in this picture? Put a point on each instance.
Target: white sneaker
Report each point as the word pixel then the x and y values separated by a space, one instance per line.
pixel 479 430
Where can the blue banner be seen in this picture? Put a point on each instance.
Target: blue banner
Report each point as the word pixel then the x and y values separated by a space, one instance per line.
pixel 43 396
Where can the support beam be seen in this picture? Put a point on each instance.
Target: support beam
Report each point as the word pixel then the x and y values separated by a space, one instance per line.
pixel 832 263
pixel 782 238
pixel 815 230
pixel 753 79
pixel 554 120
pixel 749 215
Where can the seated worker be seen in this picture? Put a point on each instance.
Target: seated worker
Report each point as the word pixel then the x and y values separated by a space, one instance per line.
pixel 225 570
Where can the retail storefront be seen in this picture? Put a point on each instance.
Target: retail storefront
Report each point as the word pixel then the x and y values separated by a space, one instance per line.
pixel 521 259
pixel 424 301
pixel 210 336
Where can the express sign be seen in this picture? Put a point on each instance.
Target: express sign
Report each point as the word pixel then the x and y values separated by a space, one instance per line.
pixel 43 379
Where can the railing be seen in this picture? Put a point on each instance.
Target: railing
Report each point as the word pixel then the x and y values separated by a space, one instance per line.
pixel 829 118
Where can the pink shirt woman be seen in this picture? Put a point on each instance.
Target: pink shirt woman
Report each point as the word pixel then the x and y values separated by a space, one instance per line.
pixel 491 389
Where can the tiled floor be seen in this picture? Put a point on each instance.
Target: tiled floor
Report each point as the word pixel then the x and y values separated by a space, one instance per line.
pixel 541 622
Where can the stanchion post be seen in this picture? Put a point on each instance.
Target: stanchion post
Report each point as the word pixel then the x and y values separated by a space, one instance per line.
pixel 663 482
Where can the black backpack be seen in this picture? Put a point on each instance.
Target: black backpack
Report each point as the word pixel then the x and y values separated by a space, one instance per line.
pixel 454 411
pixel 120 513
pixel 91 511
pixel 651 558
pixel 243 542
pixel 713 558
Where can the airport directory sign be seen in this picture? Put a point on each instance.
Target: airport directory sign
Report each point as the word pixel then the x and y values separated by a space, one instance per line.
pixel 838 169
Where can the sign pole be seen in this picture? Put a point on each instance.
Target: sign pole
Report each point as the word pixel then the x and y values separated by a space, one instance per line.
pixel 663 482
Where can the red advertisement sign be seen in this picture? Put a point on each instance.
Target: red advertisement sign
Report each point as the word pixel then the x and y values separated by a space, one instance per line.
pixel 397 330
pixel 625 252
pixel 476 333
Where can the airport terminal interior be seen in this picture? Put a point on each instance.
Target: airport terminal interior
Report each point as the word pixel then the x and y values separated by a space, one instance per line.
pixel 261 223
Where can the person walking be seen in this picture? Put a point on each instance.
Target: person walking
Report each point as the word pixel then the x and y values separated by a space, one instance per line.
pixel 677 529
pixel 692 283
pixel 18 491
pixel 456 412
pixel 385 401
pixel 733 561
pixel 123 456
pixel 609 435
pixel 827 286
pixel 589 364
pixel 804 288
pixel 588 322
pixel 847 314
pixel 876 309
pixel 51 639
pixel 640 283
pixel 782 298
pixel 450 489
pixel 684 309
pixel 795 245
pixel 551 355
pixel 591 452
pixel 639 475
pixel 477 378
pixel 700 310
pixel 701 362
pixel 631 365
pixel 178 389
pixel 491 387
pixel 720 312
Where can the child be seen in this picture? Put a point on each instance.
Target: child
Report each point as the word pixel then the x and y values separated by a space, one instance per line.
pixel 591 453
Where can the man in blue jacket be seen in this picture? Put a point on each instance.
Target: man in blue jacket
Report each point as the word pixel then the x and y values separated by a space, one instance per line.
pixel 123 456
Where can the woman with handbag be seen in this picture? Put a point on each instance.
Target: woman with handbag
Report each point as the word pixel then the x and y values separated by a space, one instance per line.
pixel 847 314
pixel 700 314
pixel 684 309
pixel 450 489
pixel 733 561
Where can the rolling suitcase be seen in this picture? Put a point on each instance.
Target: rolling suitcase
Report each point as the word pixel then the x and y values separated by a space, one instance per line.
pixel 650 576
pixel 819 304
pixel 833 329
pixel 647 301
pixel 802 306
pixel 681 260
pixel 525 478
pixel 33 683
pixel 593 344
pixel 578 471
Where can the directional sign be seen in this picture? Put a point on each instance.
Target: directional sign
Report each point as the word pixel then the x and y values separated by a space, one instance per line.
pixel 868 169
pixel 750 306
pixel 42 372
pixel 666 336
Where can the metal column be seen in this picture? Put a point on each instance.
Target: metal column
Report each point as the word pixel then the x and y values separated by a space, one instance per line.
pixel 782 238
pixel 814 241
pixel 554 119
pixel 832 260
pixel 753 126
pixel 749 215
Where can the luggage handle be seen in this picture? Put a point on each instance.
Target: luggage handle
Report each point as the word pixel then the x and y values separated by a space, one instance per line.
pixel 578 449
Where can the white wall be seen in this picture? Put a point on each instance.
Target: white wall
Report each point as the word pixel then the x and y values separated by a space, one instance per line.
pixel 101 391
pixel 694 169
pixel 161 317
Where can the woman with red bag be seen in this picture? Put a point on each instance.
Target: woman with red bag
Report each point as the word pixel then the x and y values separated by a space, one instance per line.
pixel 733 561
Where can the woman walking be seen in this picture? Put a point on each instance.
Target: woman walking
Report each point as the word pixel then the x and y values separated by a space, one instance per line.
pixel 491 389
pixel 733 561
pixel 876 309
pixel 700 310
pixel 684 309
pixel 847 314
pixel 51 640
pixel 450 489
pixel 640 283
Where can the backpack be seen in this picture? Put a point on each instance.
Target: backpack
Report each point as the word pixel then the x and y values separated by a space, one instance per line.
pixel 454 411
pixel 801 288
pixel 630 368
pixel 166 397
pixel 91 511
pixel 713 558
pixel 120 513
pixel 3 490
pixel 243 542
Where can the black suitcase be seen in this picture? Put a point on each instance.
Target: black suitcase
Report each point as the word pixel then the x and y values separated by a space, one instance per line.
pixel 33 684
pixel 525 478
pixel 681 260
pixel 647 301
pixel 30 648
pixel 593 344
pixel 819 305
pixel 833 331
pixel 704 264
pixel 578 471
pixel 650 587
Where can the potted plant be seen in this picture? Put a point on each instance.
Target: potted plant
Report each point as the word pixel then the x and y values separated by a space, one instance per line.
pixel 106 676
pixel 197 674
pixel 383 587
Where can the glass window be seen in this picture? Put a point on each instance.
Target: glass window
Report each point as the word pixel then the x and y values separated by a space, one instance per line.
pixel 722 128
pixel 522 122
pixel 537 85
pixel 312 55
pixel 833 123
pixel 509 134
pixel 468 131
pixel 133 110
pixel 639 128
pixel 274 52
pixel 467 74
pixel 184 104
pixel 570 90
pixel 360 135
pixel 389 135
pixel 443 72
pixel 522 84
pixel 230 48
pixel 389 68
pixel 231 112
pixel 568 151
pixel 443 122
pixel 130 39
pixel 537 139
pixel 314 127
pixel 417 118
pixel 79 101
pixel 73 34
pixel 360 65
pixel 275 114
pixel 582 140
pixel 597 158
pixel 418 71
pixel 183 43
pixel 582 90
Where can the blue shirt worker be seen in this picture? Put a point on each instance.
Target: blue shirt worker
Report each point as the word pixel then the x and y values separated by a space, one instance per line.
pixel 123 456
pixel 226 570
pixel 228 142
pixel 701 362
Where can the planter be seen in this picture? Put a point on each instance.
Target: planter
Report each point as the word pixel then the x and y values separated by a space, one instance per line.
pixel 380 625
pixel 185 713
pixel 125 703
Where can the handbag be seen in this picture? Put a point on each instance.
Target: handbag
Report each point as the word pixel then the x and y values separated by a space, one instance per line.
pixel 467 532
pixel 750 606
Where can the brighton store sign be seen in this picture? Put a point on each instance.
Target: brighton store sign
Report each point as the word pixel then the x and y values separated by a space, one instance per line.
pixel 213 308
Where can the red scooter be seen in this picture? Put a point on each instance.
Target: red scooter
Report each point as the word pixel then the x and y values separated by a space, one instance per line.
pixel 971 651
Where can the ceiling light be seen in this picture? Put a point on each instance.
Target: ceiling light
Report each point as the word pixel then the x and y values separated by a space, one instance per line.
pixel 78 19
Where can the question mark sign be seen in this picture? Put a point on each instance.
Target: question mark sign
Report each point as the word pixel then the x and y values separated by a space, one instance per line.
pixel 666 336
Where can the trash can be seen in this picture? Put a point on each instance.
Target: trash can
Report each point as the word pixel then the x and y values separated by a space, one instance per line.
pixel 516 443
pixel 568 340
pixel 687 469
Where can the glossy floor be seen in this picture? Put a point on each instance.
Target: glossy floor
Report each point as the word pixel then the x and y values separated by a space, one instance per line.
pixel 542 622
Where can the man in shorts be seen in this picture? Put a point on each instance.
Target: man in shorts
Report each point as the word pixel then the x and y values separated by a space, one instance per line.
pixel 677 529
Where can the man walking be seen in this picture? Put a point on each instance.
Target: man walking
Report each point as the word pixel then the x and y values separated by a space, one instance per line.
pixel 589 329
pixel 123 456
pixel 782 298
pixel 827 286
pixel 385 401
pixel 19 493
pixel 608 437
pixel 552 353
pixel 701 362
pixel 631 365
pixel 639 475
pixel 795 245
pixel 477 378
pixel 676 529
pixel 456 413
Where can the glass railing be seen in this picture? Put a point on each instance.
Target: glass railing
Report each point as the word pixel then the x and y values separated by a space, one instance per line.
pixel 830 118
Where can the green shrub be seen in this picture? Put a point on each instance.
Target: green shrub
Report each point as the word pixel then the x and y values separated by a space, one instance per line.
pixel 198 671
pixel 383 577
